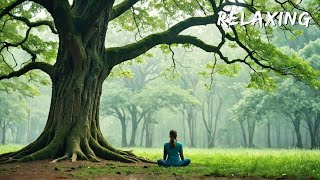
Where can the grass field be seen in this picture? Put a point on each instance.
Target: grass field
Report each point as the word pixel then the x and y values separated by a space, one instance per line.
pixel 273 163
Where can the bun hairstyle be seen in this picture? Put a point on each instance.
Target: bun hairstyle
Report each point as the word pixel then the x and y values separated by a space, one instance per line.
pixel 173 138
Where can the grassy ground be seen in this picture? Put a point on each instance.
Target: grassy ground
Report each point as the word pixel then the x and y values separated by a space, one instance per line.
pixel 208 162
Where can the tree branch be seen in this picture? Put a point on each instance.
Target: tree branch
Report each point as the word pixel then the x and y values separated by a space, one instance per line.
pixel 60 10
pixel 121 54
pixel 10 7
pixel 121 8
pixel 50 24
pixel 45 67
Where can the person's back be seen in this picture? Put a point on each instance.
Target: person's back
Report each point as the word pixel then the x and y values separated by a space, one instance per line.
pixel 173 152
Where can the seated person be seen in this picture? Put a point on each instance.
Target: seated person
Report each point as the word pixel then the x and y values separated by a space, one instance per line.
pixel 173 152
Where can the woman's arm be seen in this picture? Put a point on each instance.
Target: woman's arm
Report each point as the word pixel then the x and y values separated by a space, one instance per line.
pixel 164 153
pixel 181 153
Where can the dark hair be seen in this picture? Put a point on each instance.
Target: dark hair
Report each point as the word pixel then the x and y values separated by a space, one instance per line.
pixel 173 138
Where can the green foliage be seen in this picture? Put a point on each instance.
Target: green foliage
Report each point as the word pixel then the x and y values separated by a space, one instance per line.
pixel 14 32
pixel 13 110
pixel 149 99
pixel 166 96
pixel 154 15
pixel 231 70
pixel 268 54
pixel 262 80
pixel 249 108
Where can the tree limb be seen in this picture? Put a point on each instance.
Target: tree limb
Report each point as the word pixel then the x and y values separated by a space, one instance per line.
pixel 45 67
pixel 50 24
pixel 10 7
pixel 130 51
pixel 121 8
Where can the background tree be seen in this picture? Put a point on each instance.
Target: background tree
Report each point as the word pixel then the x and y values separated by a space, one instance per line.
pixel 9 117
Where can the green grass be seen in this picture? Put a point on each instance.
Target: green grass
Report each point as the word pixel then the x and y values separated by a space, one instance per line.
pixel 10 148
pixel 248 162
pixel 216 162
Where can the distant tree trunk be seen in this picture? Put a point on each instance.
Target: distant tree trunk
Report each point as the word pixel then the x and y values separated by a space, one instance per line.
pixel 269 134
pixel 306 144
pixel 313 122
pixel 190 82
pixel 296 122
pixel 251 129
pixel 124 133
pixel 13 133
pixel 120 114
pixel 142 131
pixel 190 119
pixel 3 135
pixel 278 132
pixel 228 138
pixel 243 134
pixel 148 129
pixel 134 125
pixel 211 127
pixel 29 124
pixel 184 127
pixel 189 115
pixel 149 135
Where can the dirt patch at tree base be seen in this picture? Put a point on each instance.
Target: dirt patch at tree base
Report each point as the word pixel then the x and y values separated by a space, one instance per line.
pixel 45 170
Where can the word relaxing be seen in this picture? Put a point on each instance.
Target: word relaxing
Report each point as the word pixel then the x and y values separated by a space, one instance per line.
pixel 266 19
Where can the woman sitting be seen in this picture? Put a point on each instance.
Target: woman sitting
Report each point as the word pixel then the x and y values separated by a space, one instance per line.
pixel 173 152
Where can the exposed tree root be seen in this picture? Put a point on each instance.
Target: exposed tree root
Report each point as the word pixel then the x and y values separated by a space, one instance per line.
pixel 60 159
pixel 92 149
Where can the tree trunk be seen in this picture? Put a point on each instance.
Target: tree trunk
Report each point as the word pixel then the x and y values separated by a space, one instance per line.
pixel 251 129
pixel 29 124
pixel 269 134
pixel 243 134
pixel 190 119
pixel 134 125
pixel 3 135
pixel 13 134
pixel 148 135
pixel 123 133
pixel 299 139
pixel 149 129
pixel 142 131
pixel 296 123
pixel 278 132
pixel 313 126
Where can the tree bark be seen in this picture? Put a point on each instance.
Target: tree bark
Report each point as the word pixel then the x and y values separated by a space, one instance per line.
pixel 243 134
pixel 251 129
pixel 269 134
pixel 29 124
pixel 123 133
pixel 296 123
pixel 134 125
pixel 142 131
pixel 313 122
pixel 278 132
pixel 3 136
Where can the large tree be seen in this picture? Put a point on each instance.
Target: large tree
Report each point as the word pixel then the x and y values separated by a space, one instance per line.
pixel 83 62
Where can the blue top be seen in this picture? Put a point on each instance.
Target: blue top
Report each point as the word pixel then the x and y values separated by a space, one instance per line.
pixel 173 153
